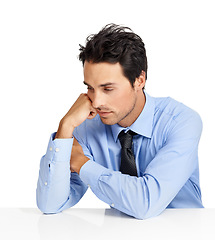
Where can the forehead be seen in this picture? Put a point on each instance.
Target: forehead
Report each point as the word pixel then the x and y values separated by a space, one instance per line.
pixel 101 73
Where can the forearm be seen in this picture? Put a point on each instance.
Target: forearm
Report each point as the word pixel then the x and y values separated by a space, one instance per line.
pixel 65 129
pixel 141 197
pixel 125 193
pixel 57 188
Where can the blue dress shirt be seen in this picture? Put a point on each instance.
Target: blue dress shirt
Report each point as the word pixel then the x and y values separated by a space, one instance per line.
pixel 166 155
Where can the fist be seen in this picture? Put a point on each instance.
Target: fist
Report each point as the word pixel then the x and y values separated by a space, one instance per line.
pixel 78 159
pixel 81 110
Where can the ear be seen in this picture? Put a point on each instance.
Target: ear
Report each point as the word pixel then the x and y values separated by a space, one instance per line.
pixel 140 81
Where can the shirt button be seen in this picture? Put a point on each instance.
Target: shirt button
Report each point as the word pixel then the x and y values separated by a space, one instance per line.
pixel 46 183
pixel 112 205
pixel 50 148
pixel 88 185
pixel 57 149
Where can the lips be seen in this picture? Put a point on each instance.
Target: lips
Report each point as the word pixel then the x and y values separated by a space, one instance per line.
pixel 103 114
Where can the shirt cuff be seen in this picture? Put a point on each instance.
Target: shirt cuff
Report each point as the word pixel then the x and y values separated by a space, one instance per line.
pixel 90 173
pixel 59 150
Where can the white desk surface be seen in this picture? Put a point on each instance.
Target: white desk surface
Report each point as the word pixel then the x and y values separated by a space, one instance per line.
pixel 79 223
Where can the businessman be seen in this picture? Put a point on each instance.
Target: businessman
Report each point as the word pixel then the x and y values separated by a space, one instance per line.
pixel 137 153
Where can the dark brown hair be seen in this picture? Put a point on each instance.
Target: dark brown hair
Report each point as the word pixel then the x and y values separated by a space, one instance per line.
pixel 113 44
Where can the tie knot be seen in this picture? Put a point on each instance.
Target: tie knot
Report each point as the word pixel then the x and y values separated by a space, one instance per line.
pixel 125 139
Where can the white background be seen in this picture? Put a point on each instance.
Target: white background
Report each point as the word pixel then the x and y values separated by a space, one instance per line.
pixel 41 75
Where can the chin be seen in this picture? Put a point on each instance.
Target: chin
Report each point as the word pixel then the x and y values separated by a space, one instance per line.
pixel 108 121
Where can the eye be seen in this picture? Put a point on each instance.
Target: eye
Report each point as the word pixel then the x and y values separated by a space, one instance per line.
pixel 89 88
pixel 108 89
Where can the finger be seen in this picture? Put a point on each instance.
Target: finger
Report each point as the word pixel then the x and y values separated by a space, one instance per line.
pixel 92 115
pixel 75 142
pixel 76 147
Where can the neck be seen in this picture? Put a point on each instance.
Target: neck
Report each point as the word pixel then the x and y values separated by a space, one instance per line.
pixel 135 112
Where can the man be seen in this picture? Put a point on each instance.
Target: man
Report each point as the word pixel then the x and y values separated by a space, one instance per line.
pixel 137 153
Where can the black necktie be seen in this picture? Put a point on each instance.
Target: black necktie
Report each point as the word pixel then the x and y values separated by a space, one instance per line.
pixel 128 165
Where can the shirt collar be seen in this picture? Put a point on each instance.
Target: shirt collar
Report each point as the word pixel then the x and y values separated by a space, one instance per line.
pixel 143 124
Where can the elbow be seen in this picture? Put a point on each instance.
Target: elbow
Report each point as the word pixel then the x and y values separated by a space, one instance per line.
pixel 152 204
pixel 145 215
pixel 46 210
pixel 150 207
pixel 44 206
pixel 51 207
pixel 150 212
pixel 142 211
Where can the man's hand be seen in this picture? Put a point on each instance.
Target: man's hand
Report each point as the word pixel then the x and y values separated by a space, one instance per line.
pixel 78 159
pixel 78 113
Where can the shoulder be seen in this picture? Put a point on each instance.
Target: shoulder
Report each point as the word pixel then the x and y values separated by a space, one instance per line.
pixel 182 119
pixel 174 109
pixel 171 116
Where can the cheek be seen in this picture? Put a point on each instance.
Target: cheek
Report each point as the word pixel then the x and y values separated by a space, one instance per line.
pixel 89 94
pixel 120 100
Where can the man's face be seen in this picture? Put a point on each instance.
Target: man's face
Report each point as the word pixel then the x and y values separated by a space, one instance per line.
pixel 111 93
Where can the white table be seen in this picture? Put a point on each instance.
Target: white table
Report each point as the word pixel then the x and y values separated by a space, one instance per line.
pixel 77 223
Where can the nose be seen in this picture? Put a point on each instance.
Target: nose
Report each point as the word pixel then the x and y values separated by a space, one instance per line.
pixel 97 100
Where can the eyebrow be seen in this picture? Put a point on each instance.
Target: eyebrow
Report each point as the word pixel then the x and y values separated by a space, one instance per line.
pixel 102 85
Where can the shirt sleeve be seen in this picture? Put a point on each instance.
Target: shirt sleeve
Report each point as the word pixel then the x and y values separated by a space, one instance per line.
pixel 147 196
pixel 57 187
